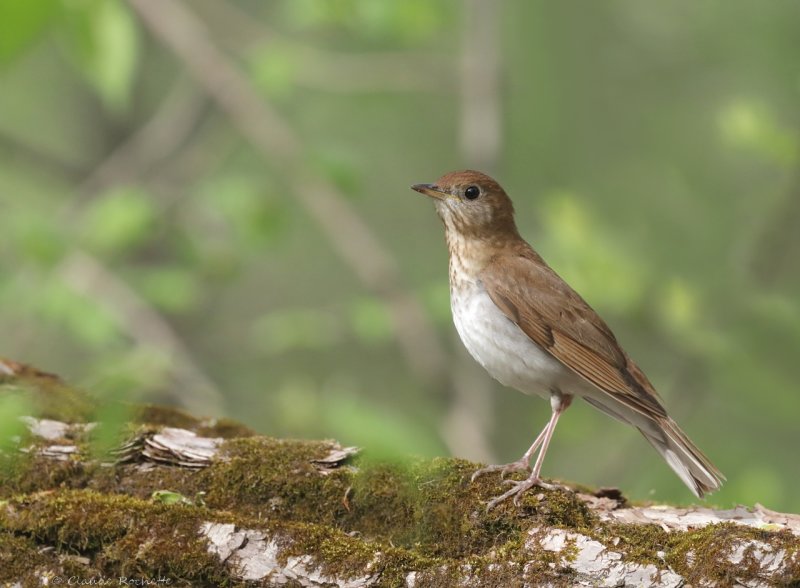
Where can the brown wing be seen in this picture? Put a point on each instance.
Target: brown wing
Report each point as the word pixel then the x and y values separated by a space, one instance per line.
pixel 555 317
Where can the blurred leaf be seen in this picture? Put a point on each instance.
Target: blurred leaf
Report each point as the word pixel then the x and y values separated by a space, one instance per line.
pixel 273 69
pixel 245 209
pixel 88 322
pixel 12 406
pixel 174 289
pixel 370 320
pixel 306 13
pixel 341 167
pixel 385 434
pixel 21 21
pixel 407 20
pixel 747 125
pixel 296 405
pixel 682 314
pixel 104 40
pixel 112 419
pixel 130 373
pixel 291 329
pixel 36 237
pixel 119 221
pixel 589 260
pixel 679 304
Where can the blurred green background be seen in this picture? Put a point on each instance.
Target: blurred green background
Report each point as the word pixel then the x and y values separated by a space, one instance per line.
pixel 206 203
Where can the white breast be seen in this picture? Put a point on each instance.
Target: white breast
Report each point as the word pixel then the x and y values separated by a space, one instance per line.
pixel 501 347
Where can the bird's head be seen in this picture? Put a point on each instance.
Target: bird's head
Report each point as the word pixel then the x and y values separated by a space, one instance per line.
pixel 471 204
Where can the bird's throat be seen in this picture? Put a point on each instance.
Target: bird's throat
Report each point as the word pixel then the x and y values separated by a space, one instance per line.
pixel 468 256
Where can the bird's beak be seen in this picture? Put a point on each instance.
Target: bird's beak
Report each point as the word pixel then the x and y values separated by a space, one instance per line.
pixel 431 190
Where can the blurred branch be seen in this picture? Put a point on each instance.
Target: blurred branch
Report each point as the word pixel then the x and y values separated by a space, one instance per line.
pixel 465 428
pixel 481 110
pixel 87 276
pixel 236 25
pixel 327 70
pixel 387 72
pixel 172 122
pixel 269 134
pixel 13 148
pixel 161 135
pixel 214 141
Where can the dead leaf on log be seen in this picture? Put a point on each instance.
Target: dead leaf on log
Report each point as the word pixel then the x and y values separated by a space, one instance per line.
pixel 337 456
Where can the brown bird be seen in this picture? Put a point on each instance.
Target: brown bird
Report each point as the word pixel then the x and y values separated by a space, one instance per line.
pixel 531 331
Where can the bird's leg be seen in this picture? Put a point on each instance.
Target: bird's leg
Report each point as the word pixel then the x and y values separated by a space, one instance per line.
pixel 559 403
pixel 523 464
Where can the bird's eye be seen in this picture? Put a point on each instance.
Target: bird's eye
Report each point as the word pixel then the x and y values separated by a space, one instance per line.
pixel 472 192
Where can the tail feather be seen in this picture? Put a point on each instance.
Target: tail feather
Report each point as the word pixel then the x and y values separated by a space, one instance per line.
pixel 686 460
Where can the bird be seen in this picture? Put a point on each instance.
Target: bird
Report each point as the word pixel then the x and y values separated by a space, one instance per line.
pixel 531 331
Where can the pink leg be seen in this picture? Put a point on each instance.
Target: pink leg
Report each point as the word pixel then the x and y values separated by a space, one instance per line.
pixel 535 445
pixel 560 407
pixel 523 464
pixel 559 404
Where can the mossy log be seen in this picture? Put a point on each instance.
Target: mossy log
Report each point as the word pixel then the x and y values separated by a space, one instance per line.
pixel 191 502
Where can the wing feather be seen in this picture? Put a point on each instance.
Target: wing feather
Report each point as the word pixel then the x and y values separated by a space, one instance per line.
pixel 557 319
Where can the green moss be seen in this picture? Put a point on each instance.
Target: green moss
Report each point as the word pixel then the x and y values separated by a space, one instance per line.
pixel 639 543
pixel 170 416
pixel 46 393
pixel 19 557
pixel 51 398
pixel 451 519
pixel 700 555
pixel 225 428
pixel 274 479
pixel 397 563
pixel 420 515
pixel 25 474
pixel 560 508
pixel 123 535
pixel 382 503
pixel 336 553
pixel 429 507
pixel 128 536
pixel 165 416
pixel 710 546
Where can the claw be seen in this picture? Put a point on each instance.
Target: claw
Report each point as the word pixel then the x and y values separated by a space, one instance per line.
pixel 521 465
pixel 518 487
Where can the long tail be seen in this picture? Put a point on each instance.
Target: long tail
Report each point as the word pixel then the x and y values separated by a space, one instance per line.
pixel 694 468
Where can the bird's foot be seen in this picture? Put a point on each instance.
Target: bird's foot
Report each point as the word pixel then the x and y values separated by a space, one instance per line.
pixel 517 488
pixel 521 465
